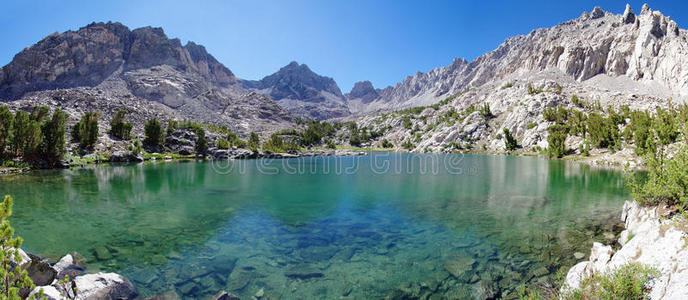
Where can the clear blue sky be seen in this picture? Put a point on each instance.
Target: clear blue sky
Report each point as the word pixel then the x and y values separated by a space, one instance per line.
pixel 380 41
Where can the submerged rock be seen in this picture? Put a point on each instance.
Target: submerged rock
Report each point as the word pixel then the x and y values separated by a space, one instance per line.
pixel 224 296
pixel 459 265
pixel 303 271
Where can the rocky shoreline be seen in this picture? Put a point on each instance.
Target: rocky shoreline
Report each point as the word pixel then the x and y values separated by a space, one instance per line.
pixel 655 237
pixel 214 154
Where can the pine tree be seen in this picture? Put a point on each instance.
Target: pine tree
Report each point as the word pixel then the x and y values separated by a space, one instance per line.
pixel 154 134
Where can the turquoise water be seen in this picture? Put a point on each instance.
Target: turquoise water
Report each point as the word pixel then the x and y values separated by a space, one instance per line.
pixel 386 225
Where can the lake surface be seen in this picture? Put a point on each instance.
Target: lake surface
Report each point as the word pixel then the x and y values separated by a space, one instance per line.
pixel 447 226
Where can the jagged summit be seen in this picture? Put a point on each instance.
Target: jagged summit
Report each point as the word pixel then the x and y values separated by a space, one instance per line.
pixel 648 48
pixel 106 66
pixel 303 92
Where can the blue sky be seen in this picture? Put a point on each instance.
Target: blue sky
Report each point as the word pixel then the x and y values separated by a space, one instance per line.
pixel 376 40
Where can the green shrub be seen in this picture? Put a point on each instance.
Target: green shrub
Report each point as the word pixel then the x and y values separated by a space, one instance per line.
pixel 233 140
pixel 627 282
pixel 604 133
pixel 665 126
pixel 556 141
pixel 136 148
pixel 406 121
pixel 154 136
pixel 201 145
pixel 533 91
pixel 485 111
pixel 222 144
pixel 53 141
pixel 531 125
pixel 6 124
pixel 509 140
pixel 577 123
pixel 387 144
pixel 577 101
pixel 276 144
pixel 253 142
pixel 408 145
pixel 507 85
pixel 119 127
pixel 665 180
pixel 85 132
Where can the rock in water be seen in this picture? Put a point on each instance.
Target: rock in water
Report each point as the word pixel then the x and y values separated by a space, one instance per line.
pixel 303 271
pixel 458 265
pixel 224 296
pixel 105 286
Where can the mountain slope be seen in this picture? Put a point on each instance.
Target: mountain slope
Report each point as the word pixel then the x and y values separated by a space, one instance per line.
pixel 648 48
pixel 302 92
pixel 106 67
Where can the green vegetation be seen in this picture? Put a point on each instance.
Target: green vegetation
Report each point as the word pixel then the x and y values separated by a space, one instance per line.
pixel 253 142
pixel 36 138
pixel 603 131
pixel 12 279
pixel 557 114
pixel 201 145
pixel 556 141
pixel 386 144
pixel 233 140
pixel 627 282
pixel 85 132
pixel 119 127
pixel 533 91
pixel 222 144
pixel 577 101
pixel 408 145
pixel 507 85
pixel 509 140
pixel 485 111
pixel 154 135
pixel 531 125
pixel 6 129
pixel 276 144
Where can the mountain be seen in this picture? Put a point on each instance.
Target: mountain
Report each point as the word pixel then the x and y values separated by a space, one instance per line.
pixel 648 48
pixel 302 92
pixel 360 95
pixel 614 60
pixel 106 67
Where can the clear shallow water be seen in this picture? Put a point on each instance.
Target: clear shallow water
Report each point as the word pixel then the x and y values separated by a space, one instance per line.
pixel 451 226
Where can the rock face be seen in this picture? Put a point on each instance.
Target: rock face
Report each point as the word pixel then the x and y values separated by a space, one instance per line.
pixel 647 240
pixel 361 94
pixel 302 92
pixel 647 48
pixel 106 67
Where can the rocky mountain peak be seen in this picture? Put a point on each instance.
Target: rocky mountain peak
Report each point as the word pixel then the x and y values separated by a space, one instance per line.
pixel 363 90
pixel 302 91
pixel 88 56
pixel 628 16
pixel 647 48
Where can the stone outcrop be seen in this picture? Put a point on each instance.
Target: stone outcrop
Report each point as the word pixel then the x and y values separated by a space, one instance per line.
pixel 302 92
pixel 88 286
pixel 649 239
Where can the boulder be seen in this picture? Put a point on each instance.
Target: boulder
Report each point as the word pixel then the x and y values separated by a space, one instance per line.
pixel 40 271
pixel 125 156
pixel 68 265
pixel 49 291
pixel 170 295
pixel 105 286
pixel 459 265
pixel 222 295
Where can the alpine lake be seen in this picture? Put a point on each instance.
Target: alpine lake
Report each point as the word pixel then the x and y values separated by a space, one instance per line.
pixel 432 226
